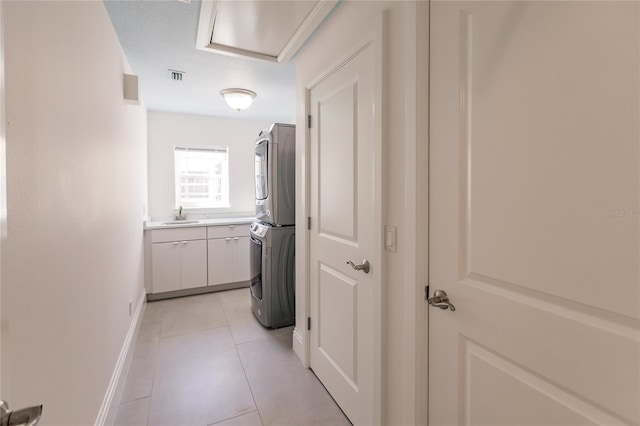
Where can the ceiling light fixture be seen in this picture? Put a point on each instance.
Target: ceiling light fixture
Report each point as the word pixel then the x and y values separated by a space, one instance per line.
pixel 238 99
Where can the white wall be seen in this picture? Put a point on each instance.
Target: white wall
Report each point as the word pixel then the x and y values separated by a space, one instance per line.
pixel 401 300
pixel 72 258
pixel 168 129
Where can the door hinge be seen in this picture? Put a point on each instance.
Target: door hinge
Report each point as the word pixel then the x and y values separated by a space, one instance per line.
pixel 309 222
pixel 308 323
pixel 426 292
pixel 308 121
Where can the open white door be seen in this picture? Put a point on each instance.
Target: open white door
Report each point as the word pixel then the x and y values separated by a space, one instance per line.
pixel 535 213
pixel 344 158
pixel 3 177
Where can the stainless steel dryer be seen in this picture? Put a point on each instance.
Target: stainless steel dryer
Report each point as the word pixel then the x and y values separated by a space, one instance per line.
pixel 272 275
pixel 275 175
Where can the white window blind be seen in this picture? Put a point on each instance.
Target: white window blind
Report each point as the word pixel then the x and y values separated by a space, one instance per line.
pixel 202 177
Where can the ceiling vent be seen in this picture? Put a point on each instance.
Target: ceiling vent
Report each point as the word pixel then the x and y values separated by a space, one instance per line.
pixel 176 75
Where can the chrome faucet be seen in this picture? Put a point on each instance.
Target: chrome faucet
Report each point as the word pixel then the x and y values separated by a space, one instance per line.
pixel 180 216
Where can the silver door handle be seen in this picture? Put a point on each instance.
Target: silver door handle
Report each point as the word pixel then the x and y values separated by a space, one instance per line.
pixel 26 416
pixel 440 300
pixel 365 267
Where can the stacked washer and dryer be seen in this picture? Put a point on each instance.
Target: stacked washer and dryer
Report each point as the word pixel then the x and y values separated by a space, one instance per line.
pixel 273 233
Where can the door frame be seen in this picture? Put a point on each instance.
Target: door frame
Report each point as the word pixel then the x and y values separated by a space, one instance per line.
pixel 3 179
pixel 373 36
pixel 421 235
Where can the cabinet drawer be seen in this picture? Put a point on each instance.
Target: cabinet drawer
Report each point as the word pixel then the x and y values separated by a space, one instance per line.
pixel 178 234
pixel 225 231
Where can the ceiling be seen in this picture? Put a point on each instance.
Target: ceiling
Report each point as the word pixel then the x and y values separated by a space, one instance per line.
pixel 161 35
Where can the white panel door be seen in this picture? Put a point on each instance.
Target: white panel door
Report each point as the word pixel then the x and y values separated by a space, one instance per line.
pixel 342 205
pixel 220 261
pixel 240 259
pixel 535 213
pixel 193 263
pixel 165 274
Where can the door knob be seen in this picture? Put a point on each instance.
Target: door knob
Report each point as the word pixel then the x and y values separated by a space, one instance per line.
pixel 440 300
pixel 365 267
pixel 24 417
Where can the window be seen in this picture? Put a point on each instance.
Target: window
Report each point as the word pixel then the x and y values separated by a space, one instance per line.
pixel 202 177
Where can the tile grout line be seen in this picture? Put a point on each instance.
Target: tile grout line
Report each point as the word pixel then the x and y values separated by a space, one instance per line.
pixel 134 400
pixel 200 330
pixel 235 417
pixel 155 366
pixel 155 360
pixel 244 371
pixel 195 331
pixel 248 383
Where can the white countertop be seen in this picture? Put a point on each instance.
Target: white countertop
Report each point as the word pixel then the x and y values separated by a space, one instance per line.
pixel 200 222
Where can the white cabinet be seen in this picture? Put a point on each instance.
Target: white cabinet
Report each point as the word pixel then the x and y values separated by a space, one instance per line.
pixel 227 231
pixel 193 267
pixel 228 254
pixel 196 257
pixel 220 261
pixel 180 264
pixel 166 266
pixel 241 259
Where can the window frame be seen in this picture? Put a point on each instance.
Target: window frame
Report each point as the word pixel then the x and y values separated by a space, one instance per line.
pixel 224 178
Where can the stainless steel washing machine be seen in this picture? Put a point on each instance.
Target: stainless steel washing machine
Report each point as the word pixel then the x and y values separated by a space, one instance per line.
pixel 272 267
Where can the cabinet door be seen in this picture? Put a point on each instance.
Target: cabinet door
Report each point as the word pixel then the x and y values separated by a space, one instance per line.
pixel 220 261
pixel 193 263
pixel 165 273
pixel 240 259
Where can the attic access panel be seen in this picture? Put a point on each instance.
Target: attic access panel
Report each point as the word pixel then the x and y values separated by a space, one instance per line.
pixel 261 29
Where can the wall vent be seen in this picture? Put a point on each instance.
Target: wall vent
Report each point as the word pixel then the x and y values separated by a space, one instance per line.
pixel 176 75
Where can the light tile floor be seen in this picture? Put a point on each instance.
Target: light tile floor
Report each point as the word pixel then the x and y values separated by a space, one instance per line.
pixel 205 360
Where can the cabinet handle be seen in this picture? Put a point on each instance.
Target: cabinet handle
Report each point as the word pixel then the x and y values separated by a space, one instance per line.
pixel 185 242
pixel 176 243
pixel 227 239
pixel 235 238
pixel 232 226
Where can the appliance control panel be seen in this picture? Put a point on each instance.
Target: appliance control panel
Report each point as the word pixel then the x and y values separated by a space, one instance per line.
pixel 259 229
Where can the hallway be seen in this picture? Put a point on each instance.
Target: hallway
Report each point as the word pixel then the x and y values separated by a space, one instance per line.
pixel 205 360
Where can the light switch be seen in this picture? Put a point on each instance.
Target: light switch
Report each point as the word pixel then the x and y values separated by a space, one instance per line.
pixel 390 238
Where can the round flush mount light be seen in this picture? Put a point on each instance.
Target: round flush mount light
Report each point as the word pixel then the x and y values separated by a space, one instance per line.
pixel 238 99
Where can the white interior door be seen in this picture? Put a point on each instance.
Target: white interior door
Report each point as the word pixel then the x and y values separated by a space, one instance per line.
pixel 3 177
pixel 343 204
pixel 535 213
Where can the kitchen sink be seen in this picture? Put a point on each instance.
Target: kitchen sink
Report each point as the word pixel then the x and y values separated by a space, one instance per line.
pixel 180 222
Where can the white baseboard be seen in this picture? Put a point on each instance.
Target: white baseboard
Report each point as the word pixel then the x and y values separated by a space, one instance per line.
pixel 109 407
pixel 299 347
